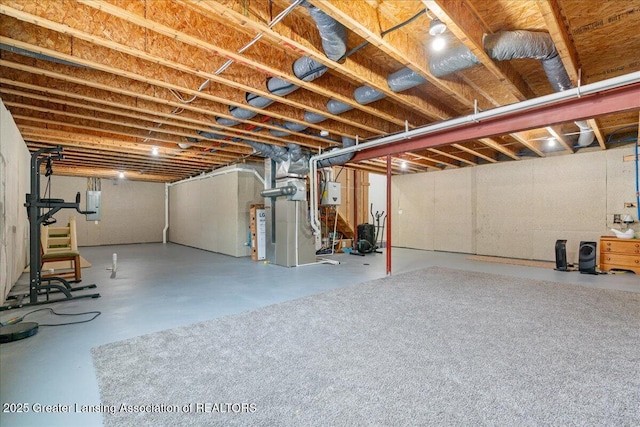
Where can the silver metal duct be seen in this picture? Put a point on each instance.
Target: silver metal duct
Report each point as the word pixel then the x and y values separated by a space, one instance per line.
pixel 258 101
pixel 223 121
pixel 242 113
pixel 279 133
pixel 280 87
pixel 304 68
pixel 287 190
pixel 337 107
pixel 275 152
pixel 404 79
pixel 507 45
pixel 342 158
pixel 333 33
pixel 365 94
pixel 586 133
pixel 308 69
pixel 451 61
pixel 211 135
pixel 295 152
pixel 314 117
pixel 334 36
pixel 296 127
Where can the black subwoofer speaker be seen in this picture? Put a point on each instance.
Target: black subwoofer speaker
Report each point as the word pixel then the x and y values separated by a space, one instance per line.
pixel 587 257
pixel 561 255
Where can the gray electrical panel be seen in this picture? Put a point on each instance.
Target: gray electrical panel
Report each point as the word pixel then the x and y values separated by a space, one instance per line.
pixel 93 204
pixel 330 194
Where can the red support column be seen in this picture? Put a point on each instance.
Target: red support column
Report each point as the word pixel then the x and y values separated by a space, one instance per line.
pixel 388 214
pixel 355 208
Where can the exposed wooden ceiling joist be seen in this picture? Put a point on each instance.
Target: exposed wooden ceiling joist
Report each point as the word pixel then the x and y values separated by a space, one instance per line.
pixel 142 73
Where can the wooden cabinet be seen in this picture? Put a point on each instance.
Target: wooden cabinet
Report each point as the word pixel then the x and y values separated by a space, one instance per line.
pixel 620 254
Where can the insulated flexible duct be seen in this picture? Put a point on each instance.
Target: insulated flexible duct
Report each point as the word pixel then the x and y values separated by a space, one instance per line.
pixel 223 121
pixel 334 44
pixel 404 79
pixel 242 113
pixel 304 68
pixel 314 117
pixel 333 33
pixel 507 45
pixel 295 152
pixel 279 133
pixel 293 126
pixel 342 158
pixel 211 135
pixel 365 95
pixel 275 152
pixel 337 107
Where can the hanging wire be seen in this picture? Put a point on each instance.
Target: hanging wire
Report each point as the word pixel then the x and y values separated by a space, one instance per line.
pixel 258 36
pixel 352 51
pixel 277 19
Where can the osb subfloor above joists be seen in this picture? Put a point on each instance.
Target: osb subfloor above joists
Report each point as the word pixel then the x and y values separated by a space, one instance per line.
pixel 110 80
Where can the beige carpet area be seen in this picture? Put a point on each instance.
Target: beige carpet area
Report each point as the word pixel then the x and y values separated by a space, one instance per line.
pixel 515 261
pixel 426 348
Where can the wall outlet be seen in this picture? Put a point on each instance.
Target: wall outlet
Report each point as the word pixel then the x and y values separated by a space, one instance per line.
pixel 630 205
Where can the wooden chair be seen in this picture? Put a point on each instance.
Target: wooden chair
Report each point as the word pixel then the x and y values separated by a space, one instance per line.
pixel 61 244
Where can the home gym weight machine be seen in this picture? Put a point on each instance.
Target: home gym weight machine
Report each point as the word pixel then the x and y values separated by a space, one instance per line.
pixel 36 206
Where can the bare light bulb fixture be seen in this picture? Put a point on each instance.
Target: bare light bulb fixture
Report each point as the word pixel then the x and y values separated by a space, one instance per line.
pixel 437 27
pixel 403 165
pixel 154 151
pixel 121 175
pixel 438 44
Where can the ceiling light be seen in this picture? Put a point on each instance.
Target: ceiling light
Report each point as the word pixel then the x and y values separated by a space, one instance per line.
pixel 403 165
pixel 154 151
pixel 121 175
pixel 438 44
pixel 324 133
pixel 551 142
pixel 437 27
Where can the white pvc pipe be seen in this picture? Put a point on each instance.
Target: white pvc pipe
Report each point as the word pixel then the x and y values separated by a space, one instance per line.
pixel 166 213
pixel 296 236
pixel 522 106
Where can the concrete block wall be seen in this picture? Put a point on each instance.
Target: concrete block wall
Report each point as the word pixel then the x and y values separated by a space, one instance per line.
pixel 515 209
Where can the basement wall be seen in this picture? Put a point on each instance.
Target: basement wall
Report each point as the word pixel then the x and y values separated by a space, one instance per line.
pixel 14 184
pixel 132 211
pixel 213 213
pixel 515 209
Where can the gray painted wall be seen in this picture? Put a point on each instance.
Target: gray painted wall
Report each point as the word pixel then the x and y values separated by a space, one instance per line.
pixel 515 209
pixel 14 184
pixel 212 213
pixel 132 211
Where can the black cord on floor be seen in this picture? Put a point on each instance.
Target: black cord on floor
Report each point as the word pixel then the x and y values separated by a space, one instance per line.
pixel 50 310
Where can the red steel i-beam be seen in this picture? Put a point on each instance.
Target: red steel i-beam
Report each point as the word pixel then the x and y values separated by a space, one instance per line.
pixel 622 99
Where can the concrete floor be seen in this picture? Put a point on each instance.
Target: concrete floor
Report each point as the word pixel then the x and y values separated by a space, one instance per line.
pixel 165 286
